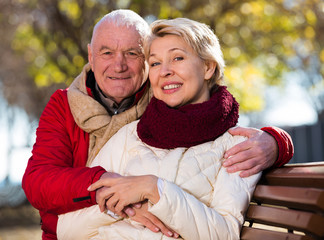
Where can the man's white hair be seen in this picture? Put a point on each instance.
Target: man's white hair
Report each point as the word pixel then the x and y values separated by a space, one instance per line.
pixel 128 18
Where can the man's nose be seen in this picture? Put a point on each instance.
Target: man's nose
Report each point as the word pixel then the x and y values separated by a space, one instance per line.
pixel 120 62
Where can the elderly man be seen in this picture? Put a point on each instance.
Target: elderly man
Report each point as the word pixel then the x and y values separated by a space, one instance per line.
pixel 110 92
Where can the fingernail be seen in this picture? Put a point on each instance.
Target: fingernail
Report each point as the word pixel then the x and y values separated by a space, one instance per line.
pixel 170 234
pixel 131 212
pixel 156 229
pixel 225 164
pixel 89 188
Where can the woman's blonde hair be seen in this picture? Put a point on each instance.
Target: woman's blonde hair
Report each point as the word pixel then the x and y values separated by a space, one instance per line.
pixel 197 35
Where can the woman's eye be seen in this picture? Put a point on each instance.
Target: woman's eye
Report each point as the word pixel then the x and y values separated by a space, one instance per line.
pixel 154 64
pixel 178 58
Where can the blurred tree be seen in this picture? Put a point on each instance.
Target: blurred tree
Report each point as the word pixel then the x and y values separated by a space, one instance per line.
pixel 45 43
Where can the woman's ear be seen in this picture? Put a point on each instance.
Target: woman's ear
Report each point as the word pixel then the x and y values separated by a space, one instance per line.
pixel 210 67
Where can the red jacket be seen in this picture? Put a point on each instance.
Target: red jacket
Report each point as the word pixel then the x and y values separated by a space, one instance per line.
pixel 56 172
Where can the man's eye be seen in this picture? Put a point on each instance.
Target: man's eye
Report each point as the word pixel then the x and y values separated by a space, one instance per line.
pixel 132 54
pixel 107 53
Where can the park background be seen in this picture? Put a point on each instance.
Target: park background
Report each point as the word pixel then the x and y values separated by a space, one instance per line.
pixel 274 67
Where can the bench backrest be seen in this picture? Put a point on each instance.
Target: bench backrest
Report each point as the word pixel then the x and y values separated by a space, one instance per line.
pixel 288 203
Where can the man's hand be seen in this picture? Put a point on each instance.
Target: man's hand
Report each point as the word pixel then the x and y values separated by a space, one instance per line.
pixel 146 218
pixel 257 153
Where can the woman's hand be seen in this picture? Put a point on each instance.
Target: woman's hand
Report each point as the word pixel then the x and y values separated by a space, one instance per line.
pixel 143 216
pixel 119 192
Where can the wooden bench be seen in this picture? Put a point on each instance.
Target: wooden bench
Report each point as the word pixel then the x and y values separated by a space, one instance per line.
pixel 288 204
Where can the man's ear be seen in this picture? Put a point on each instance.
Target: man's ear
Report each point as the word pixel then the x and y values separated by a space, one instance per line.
pixel 90 54
pixel 210 67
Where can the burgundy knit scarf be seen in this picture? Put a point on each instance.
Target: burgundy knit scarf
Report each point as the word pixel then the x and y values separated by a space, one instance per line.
pixel 189 125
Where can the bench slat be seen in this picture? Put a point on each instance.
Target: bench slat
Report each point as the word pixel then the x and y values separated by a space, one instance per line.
pixel 299 175
pixel 311 199
pixel 257 234
pixel 287 218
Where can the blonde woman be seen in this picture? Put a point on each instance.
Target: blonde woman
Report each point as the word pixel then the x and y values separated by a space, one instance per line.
pixel 169 159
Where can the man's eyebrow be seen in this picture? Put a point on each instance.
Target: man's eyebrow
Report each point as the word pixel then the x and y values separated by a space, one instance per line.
pixel 134 49
pixel 104 48
pixel 129 49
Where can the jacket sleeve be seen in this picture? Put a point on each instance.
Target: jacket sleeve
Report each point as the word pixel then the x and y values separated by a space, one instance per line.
pixel 217 219
pixel 285 145
pixel 54 173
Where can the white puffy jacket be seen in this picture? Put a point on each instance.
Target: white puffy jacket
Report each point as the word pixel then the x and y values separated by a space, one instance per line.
pixel 199 199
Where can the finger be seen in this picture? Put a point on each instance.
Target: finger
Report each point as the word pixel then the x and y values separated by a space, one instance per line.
pixel 103 182
pixel 96 185
pixel 120 205
pixel 137 205
pixel 251 171
pixel 129 211
pixel 175 235
pixel 101 201
pixel 234 154
pixel 111 203
pixel 241 131
pixel 116 205
pixel 242 166
pixel 154 223
pixel 102 195
pixel 165 230
pixel 148 224
pixel 240 147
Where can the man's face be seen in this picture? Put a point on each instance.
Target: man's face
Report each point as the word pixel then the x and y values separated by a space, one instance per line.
pixel 117 60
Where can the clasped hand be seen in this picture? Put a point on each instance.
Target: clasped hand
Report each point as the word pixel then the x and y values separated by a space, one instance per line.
pixel 115 192
pixel 118 194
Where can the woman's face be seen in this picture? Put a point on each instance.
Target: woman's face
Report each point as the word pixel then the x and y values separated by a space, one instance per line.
pixel 177 74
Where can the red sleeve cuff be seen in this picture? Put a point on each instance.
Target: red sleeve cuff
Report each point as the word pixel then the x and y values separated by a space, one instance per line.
pixel 285 145
pixel 96 178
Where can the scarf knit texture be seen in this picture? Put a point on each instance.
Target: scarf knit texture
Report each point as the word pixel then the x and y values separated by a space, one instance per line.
pixel 190 125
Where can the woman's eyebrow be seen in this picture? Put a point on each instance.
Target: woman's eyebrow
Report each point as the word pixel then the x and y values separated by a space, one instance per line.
pixel 170 50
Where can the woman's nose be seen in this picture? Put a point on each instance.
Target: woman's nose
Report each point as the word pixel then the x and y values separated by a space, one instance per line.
pixel 165 70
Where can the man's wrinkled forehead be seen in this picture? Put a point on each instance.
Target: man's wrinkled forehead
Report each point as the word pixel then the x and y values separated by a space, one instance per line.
pixel 115 34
